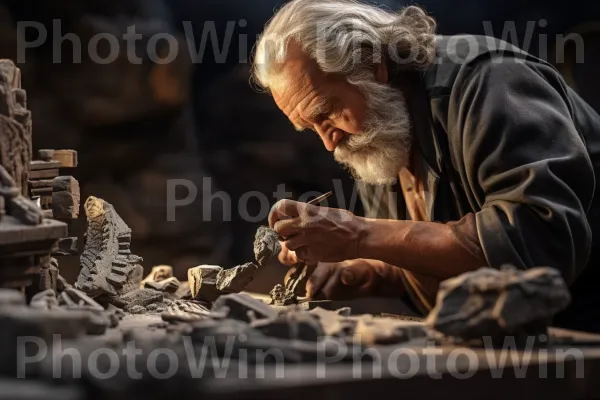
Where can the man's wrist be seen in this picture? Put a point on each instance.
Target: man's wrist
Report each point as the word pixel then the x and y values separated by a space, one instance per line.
pixel 363 231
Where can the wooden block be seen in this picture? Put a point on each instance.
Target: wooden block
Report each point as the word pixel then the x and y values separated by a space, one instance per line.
pixel 43 183
pixel 43 174
pixel 66 158
pixel 40 165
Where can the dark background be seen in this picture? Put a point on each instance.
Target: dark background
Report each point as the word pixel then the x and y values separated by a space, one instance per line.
pixel 138 126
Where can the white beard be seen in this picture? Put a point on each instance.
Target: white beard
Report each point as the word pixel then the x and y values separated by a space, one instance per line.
pixel 377 154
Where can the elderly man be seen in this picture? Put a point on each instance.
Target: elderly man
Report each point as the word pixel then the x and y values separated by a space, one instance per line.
pixel 493 156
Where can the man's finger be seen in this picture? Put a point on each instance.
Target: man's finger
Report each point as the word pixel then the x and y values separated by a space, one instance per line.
pixel 318 279
pixel 287 227
pixel 287 257
pixel 305 254
pixel 295 242
pixel 284 209
pixel 333 285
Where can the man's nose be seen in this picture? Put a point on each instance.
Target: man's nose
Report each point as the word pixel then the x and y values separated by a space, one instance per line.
pixel 330 136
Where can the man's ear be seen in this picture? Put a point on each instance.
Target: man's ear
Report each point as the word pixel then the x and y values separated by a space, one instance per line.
pixel 381 71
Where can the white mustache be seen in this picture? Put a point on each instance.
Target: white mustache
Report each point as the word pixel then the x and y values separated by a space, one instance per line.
pixel 377 155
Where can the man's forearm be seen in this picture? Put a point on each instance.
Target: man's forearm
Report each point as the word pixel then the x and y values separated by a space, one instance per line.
pixel 424 247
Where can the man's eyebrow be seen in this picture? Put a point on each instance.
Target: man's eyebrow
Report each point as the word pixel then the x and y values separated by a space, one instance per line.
pixel 299 128
pixel 318 108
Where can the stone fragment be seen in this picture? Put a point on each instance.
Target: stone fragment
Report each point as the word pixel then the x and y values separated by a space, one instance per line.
pixel 267 245
pixel 170 285
pixel 236 279
pixel 141 297
pixel 371 330
pixel 10 297
pixel 281 297
pixel 184 291
pixel 185 311
pixel 158 273
pixel 242 307
pixel 334 323
pixel 72 297
pixel 294 325
pixel 203 282
pixel 107 265
pixel 495 303
pixel 62 284
pixel 45 300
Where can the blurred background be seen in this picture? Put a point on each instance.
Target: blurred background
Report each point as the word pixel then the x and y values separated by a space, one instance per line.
pixel 138 125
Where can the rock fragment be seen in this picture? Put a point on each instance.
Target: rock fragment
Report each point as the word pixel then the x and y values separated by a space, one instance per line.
pixel 294 325
pixel 267 245
pixel 242 307
pixel 185 311
pixel 498 302
pixel 203 282
pixel 236 279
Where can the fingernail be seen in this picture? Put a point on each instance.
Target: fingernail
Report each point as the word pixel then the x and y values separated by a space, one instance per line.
pixel 348 277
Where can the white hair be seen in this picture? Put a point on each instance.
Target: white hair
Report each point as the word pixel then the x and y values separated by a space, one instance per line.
pixel 344 37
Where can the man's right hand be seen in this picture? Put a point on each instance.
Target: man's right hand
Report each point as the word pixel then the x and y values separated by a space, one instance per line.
pixel 354 279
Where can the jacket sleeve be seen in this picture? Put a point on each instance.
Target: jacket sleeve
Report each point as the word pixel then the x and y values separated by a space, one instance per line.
pixel 523 165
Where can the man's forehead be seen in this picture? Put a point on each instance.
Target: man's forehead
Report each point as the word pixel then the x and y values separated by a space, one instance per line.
pixel 298 77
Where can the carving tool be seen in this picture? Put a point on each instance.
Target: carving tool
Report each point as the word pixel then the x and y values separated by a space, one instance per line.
pixel 319 199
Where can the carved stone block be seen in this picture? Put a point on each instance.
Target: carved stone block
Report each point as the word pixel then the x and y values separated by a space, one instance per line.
pixel 107 265
pixel 15 126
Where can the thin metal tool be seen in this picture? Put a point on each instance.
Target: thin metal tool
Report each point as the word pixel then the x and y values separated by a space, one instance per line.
pixel 319 199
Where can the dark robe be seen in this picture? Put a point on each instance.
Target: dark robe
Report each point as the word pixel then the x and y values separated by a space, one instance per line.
pixel 509 153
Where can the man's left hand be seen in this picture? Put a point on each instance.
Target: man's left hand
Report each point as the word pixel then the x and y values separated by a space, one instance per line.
pixel 317 234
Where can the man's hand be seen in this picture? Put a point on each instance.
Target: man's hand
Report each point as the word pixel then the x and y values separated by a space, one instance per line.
pixel 317 234
pixel 353 279
pixel 287 257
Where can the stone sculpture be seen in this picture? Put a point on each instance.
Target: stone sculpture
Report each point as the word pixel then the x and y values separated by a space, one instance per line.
pixel 107 265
